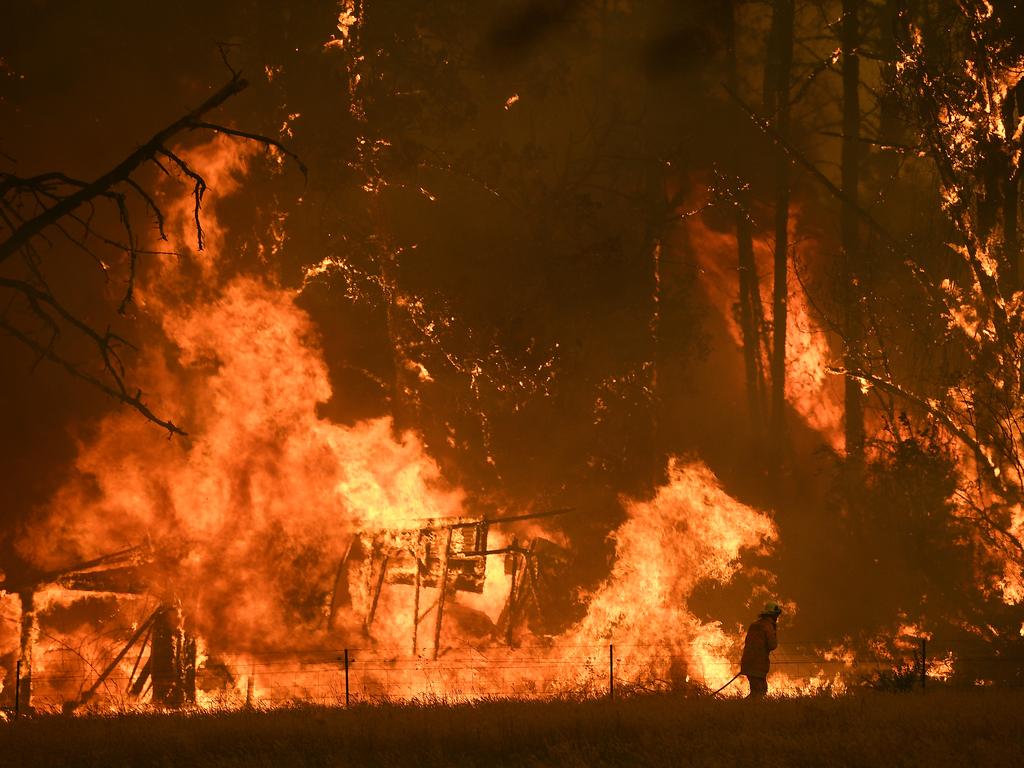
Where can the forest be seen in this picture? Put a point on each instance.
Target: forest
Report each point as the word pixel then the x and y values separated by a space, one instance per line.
pixel 722 302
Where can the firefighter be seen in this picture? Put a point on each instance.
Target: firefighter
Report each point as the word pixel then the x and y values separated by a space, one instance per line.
pixel 761 640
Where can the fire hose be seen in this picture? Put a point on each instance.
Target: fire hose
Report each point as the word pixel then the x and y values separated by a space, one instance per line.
pixel 727 684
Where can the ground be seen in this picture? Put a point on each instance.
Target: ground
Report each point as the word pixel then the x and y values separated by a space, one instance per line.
pixel 933 728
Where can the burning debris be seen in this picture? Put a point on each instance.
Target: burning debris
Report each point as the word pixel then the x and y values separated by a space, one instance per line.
pixel 450 557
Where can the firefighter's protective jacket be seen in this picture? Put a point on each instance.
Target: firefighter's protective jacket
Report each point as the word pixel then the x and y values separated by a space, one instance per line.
pixel 761 640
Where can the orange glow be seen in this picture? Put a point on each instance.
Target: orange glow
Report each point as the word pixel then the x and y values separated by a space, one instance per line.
pixel 810 390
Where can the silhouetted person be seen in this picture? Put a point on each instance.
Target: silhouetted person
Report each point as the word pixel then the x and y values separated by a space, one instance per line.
pixel 761 640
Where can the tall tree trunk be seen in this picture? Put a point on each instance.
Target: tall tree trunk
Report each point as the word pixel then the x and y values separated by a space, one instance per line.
pixel 850 172
pixel 1011 196
pixel 750 312
pixel 780 63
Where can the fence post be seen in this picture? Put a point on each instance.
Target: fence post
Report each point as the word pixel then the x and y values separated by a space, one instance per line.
pixel 17 690
pixel 611 672
pixel 346 678
pixel 924 661
pixel 250 685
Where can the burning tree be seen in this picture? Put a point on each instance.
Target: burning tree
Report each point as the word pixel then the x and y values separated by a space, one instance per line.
pixel 964 93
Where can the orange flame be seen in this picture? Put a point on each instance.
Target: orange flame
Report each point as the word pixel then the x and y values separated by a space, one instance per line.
pixel 810 389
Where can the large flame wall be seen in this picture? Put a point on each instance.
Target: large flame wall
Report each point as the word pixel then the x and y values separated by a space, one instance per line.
pixel 251 513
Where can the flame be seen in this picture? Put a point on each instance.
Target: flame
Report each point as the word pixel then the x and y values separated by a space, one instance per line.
pixel 263 483
pixel 10 612
pixel 810 390
pixel 1011 585
pixel 691 531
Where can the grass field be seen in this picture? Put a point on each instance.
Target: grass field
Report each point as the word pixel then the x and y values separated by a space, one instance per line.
pixel 934 729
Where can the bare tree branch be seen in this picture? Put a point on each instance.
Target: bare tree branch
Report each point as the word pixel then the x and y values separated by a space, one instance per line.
pixel 198 190
pixel 257 137
pixel 31 205
pixel 135 401
pixel 119 173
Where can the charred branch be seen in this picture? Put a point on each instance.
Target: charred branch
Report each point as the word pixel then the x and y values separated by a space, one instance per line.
pixel 59 201
pixel 104 184
pixel 257 137
pixel 142 630
pixel 106 345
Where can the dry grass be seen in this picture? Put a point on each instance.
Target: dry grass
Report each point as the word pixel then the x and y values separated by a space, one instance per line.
pixel 934 729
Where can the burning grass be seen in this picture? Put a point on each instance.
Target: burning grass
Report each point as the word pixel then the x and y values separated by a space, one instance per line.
pixel 940 728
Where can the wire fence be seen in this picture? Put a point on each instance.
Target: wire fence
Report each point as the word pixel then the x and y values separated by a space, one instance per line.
pixel 343 676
